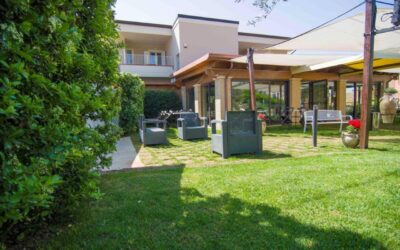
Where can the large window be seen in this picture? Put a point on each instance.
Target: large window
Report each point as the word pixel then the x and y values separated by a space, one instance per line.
pixel 155 57
pixel 271 97
pixel 353 98
pixel 128 56
pixel 320 93
pixel 190 98
pixel 208 92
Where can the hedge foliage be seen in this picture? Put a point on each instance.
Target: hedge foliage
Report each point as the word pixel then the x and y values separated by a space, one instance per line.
pixel 132 98
pixel 58 64
pixel 159 100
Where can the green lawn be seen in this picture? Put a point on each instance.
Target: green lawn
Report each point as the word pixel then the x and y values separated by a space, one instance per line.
pixel 331 198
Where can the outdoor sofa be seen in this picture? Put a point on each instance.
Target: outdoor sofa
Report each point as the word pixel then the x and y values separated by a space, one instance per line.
pixel 240 133
pixel 155 133
pixel 191 126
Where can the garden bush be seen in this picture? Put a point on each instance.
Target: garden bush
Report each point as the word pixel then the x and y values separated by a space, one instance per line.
pixel 58 69
pixel 132 97
pixel 159 100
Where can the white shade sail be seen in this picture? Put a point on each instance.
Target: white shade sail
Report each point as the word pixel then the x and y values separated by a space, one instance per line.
pixel 288 60
pixel 346 35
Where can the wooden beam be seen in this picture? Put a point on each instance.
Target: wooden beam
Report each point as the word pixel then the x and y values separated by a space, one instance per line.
pixel 315 76
pixel 250 63
pixel 258 74
pixel 370 10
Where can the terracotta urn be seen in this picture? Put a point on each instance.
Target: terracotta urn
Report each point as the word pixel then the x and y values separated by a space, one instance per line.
pixel 387 107
pixel 350 140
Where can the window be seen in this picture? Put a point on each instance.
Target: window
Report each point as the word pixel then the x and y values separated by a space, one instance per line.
pixel 155 57
pixel 128 56
pixel 353 98
pixel 271 97
pixel 190 98
pixel 320 93
pixel 332 87
pixel 208 92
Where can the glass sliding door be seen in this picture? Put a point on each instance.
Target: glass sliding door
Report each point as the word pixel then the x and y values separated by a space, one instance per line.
pixel 320 93
pixel 332 86
pixel 305 96
pixel 190 98
pixel 271 97
pixel 209 101
pixel 353 98
pixel 240 95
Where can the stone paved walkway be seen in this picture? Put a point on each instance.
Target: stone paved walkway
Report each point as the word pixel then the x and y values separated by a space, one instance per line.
pixel 125 157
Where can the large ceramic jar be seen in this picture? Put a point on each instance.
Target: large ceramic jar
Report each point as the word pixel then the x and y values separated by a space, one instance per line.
pixel 350 140
pixel 387 107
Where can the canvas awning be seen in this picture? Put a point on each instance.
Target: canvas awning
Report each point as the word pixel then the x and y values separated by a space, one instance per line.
pixel 346 35
pixel 356 63
pixel 338 43
pixel 288 60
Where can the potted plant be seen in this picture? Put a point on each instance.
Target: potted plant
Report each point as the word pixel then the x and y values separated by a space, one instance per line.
pixel 264 119
pixel 387 105
pixel 350 137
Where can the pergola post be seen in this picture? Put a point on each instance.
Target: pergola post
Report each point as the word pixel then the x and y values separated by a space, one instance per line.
pixel 341 96
pixel 370 9
pixel 250 62
pixel 295 93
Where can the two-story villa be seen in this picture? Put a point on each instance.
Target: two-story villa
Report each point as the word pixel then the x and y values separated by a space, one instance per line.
pixel 193 56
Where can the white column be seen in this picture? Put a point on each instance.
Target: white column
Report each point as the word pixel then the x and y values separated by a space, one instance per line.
pixel 228 96
pixel 198 99
pixel 220 93
pixel 183 97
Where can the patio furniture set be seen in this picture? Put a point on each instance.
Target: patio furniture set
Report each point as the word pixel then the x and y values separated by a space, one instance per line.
pixel 239 133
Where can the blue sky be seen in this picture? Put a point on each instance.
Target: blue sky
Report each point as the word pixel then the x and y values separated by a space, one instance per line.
pixel 287 19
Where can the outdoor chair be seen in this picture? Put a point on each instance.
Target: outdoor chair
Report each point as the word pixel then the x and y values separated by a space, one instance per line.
pixel 156 134
pixel 240 133
pixel 190 126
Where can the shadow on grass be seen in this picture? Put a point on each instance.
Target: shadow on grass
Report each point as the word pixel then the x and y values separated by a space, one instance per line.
pixel 386 140
pixel 323 130
pixel 265 155
pixel 163 213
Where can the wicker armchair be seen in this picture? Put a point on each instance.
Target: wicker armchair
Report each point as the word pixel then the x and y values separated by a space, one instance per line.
pixel 190 126
pixel 240 133
pixel 152 135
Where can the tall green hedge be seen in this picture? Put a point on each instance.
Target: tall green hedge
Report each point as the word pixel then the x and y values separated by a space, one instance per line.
pixel 159 100
pixel 58 64
pixel 132 98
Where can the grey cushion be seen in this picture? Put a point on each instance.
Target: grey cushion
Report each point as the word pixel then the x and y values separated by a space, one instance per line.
pixel 191 118
pixel 195 127
pixel 155 130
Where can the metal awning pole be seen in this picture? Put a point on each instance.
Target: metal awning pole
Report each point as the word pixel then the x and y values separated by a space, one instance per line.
pixel 370 10
pixel 250 62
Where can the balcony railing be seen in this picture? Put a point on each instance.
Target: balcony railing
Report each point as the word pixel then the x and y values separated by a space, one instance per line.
pixel 154 60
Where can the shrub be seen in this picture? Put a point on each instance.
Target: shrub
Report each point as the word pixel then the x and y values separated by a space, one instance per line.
pixel 132 98
pixel 390 90
pixel 159 100
pixel 58 64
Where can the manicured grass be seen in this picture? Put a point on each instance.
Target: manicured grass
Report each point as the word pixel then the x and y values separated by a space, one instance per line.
pixel 278 142
pixel 347 199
